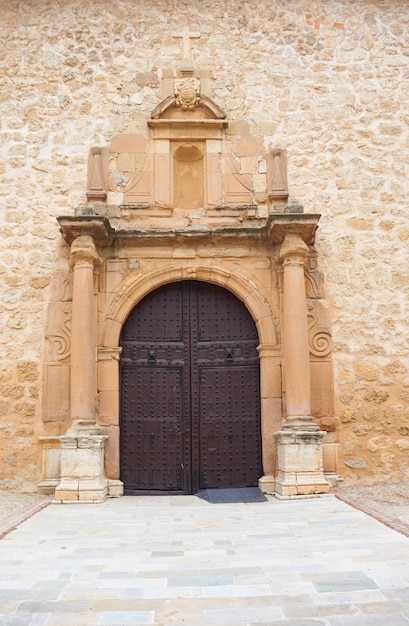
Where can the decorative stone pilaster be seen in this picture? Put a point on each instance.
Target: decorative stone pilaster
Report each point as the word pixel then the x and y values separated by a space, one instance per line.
pixel 82 448
pixel 108 392
pixel 300 465
pixel 271 411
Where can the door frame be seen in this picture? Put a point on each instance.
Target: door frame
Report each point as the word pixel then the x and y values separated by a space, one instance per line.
pixel 130 292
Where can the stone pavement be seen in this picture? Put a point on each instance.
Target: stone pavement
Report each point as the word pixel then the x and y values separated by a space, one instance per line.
pixel 180 560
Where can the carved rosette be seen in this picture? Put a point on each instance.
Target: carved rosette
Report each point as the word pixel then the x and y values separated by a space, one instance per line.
pixel 187 92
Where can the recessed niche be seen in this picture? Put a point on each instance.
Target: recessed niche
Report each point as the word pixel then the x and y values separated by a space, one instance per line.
pixel 188 175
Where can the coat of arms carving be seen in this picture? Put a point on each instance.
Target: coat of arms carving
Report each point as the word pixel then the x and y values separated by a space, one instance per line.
pixel 187 92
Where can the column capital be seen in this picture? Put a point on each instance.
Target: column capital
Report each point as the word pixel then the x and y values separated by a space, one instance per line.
pixel 293 250
pixel 83 251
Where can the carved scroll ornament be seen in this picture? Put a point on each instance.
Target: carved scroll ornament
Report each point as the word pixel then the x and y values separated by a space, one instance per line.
pixel 314 282
pixel 319 332
pixel 60 339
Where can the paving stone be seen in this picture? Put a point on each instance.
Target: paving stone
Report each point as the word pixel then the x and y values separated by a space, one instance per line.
pixel 349 597
pixel 373 620
pixel 120 575
pixel 225 591
pixel 175 592
pixel 319 611
pixel 125 619
pixel 342 581
pixel 378 608
pixel 15 620
pixel 41 619
pixel 201 581
pixel 74 619
pixel 239 616
pixel 291 622
pixel 53 607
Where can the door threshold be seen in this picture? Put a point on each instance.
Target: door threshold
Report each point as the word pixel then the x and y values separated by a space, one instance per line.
pixel 152 492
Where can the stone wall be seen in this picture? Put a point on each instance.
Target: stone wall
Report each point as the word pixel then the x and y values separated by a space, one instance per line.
pixel 328 81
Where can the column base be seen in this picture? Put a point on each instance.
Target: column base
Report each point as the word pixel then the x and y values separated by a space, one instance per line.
pixel 115 488
pixel 266 484
pixel 300 423
pixel 82 468
pixel 47 487
pixel 76 491
pixel 300 466
pixel 84 427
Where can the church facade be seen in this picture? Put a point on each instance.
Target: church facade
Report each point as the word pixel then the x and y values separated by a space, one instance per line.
pixel 203 247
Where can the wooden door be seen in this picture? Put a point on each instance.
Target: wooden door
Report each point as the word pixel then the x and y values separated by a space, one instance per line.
pixel 190 401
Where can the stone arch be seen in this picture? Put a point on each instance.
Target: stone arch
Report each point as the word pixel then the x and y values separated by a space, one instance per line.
pixel 244 288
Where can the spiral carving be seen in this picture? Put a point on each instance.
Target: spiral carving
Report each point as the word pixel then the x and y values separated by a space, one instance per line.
pixel 320 341
pixel 61 342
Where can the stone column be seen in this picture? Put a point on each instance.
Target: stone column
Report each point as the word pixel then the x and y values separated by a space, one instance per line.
pixel 82 448
pixel 83 333
pixel 296 357
pixel 300 465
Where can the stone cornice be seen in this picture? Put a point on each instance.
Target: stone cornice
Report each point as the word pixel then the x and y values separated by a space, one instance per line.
pixel 302 224
pixel 274 229
pixel 99 228
pixel 187 128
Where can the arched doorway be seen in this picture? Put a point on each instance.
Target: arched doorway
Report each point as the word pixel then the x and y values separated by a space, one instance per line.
pixel 190 392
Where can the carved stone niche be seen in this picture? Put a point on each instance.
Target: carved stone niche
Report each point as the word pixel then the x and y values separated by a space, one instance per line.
pixel 185 161
pixel 188 174
pixel 185 130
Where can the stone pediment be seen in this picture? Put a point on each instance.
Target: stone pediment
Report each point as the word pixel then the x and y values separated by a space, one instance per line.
pixel 196 117
pixel 203 108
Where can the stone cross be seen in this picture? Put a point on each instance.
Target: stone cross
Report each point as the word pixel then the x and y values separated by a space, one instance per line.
pixel 186 35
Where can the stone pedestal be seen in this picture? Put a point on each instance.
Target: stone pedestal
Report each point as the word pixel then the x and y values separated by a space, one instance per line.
pixel 82 468
pixel 300 466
